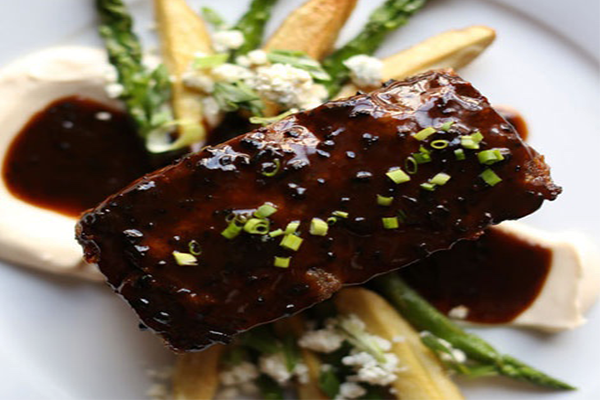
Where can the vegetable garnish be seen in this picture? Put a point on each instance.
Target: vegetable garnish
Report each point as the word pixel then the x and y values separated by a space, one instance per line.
pixel 439 144
pixel 318 227
pixel 264 121
pixel 209 61
pixel 282 262
pixel 213 17
pixel 276 232
pixel 424 133
pixel 390 222
pixel 423 156
pixel 300 60
pixel 185 258
pixel 292 227
pixel 411 165
pixel 257 226
pixel 446 126
pixel 440 179
pixel 459 154
pixel 384 201
pixel 265 211
pixel 274 171
pixel 237 95
pixel 489 157
pixel 428 186
pixel 340 214
pixel 291 242
pixel 471 141
pixel 232 230
pixel 252 25
pixel 490 177
pixel 195 248
pixel 424 317
pixel 398 176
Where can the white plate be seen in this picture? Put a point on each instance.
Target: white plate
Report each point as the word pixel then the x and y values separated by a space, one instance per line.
pixel 61 338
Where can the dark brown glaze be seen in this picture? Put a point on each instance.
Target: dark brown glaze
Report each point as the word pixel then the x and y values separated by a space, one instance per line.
pixel 496 277
pixel 67 160
pixel 334 157
pixel 515 118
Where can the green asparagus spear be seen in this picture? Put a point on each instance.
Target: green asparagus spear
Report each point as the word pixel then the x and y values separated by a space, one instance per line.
pixel 252 25
pixel 424 317
pixel 386 18
pixel 145 92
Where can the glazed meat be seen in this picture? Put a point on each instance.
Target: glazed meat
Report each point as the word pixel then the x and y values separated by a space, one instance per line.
pixel 397 174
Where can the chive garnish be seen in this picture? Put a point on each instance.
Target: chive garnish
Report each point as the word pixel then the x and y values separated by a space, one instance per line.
pixel 318 227
pixel 411 165
pixel 459 154
pixel 490 177
pixel 398 176
pixel 265 211
pixel 275 170
pixel 340 214
pixel 390 222
pixel 440 144
pixel 282 262
pixel 384 201
pixel 276 232
pixel 210 61
pixel 232 230
pixel 446 126
pixel 471 141
pixel 440 179
pixel 292 227
pixel 331 220
pixel 257 226
pixel 424 133
pixel 428 186
pixel 489 157
pixel 423 156
pixel 291 242
pixel 194 247
pixel 184 258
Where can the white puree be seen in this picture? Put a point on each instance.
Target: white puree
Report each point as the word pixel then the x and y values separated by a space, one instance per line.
pixel 30 235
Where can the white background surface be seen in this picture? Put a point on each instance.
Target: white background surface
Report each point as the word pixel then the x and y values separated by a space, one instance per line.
pixel 64 339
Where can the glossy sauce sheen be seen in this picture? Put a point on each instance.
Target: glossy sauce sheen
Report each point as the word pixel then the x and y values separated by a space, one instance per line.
pixel 67 160
pixel 496 277
pixel 334 157
pixel 514 118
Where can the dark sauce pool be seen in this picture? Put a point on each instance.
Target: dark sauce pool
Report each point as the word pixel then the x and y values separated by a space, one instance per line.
pixel 72 155
pixel 495 277
pixel 514 118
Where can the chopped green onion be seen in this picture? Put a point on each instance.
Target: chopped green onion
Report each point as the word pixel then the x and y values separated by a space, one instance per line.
pixel 292 227
pixel 301 60
pixel 257 226
pixel 459 154
pixel 232 230
pixel 421 158
pixel 398 176
pixel 340 214
pixel 477 136
pixel 274 172
pixel 471 141
pixel 384 201
pixel 424 133
pixel 265 211
pixel 440 179
pixel 277 232
pixel 490 177
pixel 446 126
pixel 291 242
pixel 195 248
pixel 428 186
pixel 390 222
pixel 318 227
pixel 264 121
pixel 210 61
pixel 331 220
pixel 185 258
pixel 282 262
pixel 489 157
pixel 439 144
pixel 411 165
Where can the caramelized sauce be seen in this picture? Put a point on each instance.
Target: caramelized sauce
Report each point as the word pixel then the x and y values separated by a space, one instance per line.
pixel 496 277
pixel 514 118
pixel 72 155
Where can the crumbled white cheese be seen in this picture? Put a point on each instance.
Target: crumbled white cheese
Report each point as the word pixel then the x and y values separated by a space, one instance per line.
pixel 315 96
pixel 230 73
pixel 228 40
pixel 211 111
pixel 457 354
pixel 110 74
pixel 322 340
pixel 459 312
pixel 282 84
pixel 258 57
pixel 103 116
pixel 350 390
pixel 114 90
pixel 243 61
pixel 274 366
pixel 238 374
pixel 369 370
pixel 301 373
pixel 382 343
pixel 365 71
pixel 198 81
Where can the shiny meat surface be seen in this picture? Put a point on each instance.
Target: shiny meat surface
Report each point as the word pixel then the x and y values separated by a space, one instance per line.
pixel 334 158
